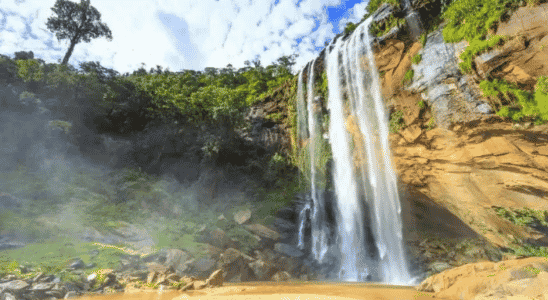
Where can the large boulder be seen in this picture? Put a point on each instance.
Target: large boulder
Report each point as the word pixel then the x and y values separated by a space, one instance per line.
pixel 176 260
pixel 234 264
pixel 263 231
pixel 263 270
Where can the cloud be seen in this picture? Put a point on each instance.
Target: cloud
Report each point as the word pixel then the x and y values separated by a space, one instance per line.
pixel 181 34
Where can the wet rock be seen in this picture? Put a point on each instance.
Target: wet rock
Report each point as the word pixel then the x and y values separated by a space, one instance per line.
pixel 288 264
pixel 288 250
pixel 281 276
pixel 242 216
pixel 232 262
pixel 152 277
pixel 198 285
pixel 287 213
pixel 216 278
pixel 439 266
pixel 15 286
pixel 262 270
pixel 202 267
pixel 77 264
pixel 263 231
pixel 71 295
pixel 7 296
pixel 176 260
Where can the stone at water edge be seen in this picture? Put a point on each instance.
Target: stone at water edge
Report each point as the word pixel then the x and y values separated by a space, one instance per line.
pixel 176 259
pixel 262 270
pixel 263 231
pixel 281 276
pixel 216 278
pixel 15 286
pixel 439 266
pixel 152 277
pixel 242 216
pixel 288 250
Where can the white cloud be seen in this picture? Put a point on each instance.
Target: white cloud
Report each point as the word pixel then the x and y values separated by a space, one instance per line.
pixel 182 34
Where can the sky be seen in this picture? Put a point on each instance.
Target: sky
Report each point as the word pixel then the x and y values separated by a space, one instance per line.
pixel 184 34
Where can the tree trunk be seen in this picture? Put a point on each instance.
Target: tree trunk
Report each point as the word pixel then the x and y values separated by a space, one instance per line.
pixel 69 52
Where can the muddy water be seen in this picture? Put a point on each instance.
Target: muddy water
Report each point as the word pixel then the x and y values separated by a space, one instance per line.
pixel 286 291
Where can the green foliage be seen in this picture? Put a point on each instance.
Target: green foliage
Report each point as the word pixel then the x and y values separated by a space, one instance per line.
pixel 524 216
pixel 470 19
pixel 416 59
pixel 373 5
pixel 408 77
pixel 350 27
pixel 513 102
pixel 421 104
pixel 76 22
pixel 323 85
pixel 60 124
pixel 431 124
pixel 476 47
pixel 423 39
pixel 30 70
pixel 247 241
pixel 396 122
pixel 382 28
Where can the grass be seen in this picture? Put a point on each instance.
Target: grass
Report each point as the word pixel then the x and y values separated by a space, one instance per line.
pixel 53 256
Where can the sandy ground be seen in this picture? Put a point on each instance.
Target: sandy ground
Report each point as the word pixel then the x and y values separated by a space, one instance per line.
pixel 286 291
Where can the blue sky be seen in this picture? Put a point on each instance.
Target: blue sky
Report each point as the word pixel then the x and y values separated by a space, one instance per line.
pixel 184 34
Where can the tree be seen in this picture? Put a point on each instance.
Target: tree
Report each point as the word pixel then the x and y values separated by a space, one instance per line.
pixel 76 22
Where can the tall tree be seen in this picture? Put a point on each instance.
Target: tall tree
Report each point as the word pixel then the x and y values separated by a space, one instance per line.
pixel 76 22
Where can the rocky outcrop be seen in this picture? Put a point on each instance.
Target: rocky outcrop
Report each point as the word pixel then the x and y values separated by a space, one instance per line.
pixel 451 96
pixel 527 278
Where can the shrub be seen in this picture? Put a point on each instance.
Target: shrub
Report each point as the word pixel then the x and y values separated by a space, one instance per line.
pixel 350 27
pixel 396 122
pixel 423 39
pixel 421 104
pixel 468 19
pixel 476 47
pixel 416 59
pixel 408 77
pixel 512 101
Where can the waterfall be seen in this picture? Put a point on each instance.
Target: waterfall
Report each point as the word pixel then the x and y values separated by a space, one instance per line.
pixel 362 161
pixel 314 208
pixel 319 228
pixel 368 231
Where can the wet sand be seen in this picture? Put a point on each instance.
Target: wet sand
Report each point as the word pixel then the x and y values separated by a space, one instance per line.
pixel 285 291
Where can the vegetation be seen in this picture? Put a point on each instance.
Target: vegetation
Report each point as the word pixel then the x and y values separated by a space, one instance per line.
pixel 416 59
pixel 477 47
pixel 408 77
pixel 373 5
pixel 381 28
pixel 421 104
pixel 396 122
pixel 76 22
pixel 350 27
pixel 515 103
pixel 524 216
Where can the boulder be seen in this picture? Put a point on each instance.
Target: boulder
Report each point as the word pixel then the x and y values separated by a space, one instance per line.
pixel 176 259
pixel 216 278
pixel 15 286
pixel 487 62
pixel 281 276
pixel 263 231
pixel 262 270
pixel 242 216
pixel 232 262
pixel 288 250
pixel 411 133
pixel 202 267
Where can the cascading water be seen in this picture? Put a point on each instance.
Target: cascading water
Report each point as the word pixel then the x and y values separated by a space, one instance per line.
pixel 367 203
pixel 319 232
pixel 315 210
pixel 360 121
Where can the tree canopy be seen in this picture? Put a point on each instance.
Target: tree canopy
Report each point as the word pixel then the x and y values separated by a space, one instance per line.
pixel 76 22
